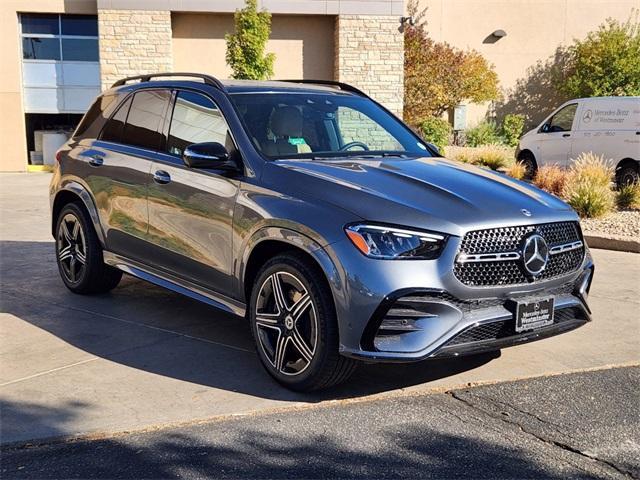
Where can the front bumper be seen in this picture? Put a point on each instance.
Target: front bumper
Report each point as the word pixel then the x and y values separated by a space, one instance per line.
pixel 448 319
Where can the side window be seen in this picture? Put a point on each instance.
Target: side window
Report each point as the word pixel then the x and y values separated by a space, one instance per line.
pixel 112 131
pixel 562 121
pixel 145 116
pixel 196 119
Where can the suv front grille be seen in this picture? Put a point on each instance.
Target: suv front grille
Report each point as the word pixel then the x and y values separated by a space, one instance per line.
pixel 505 240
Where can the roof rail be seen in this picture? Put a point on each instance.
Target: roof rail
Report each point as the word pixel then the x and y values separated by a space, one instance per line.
pixel 331 83
pixel 208 79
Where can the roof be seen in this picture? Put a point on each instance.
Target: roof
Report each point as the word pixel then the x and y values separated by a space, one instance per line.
pixel 246 86
pixel 236 86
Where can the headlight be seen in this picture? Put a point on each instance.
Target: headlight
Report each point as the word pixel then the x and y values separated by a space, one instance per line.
pixel 378 241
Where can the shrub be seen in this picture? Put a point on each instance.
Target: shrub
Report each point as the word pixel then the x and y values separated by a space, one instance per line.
pixel 437 131
pixel 485 133
pixel 437 76
pixel 590 201
pixel 591 168
pixel 491 156
pixel 517 170
pixel 512 127
pixel 551 178
pixel 605 62
pixel 588 186
pixel 245 47
pixel 629 196
pixel 460 154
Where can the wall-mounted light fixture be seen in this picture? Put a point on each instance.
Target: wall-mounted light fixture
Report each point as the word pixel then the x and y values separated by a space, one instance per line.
pixel 407 21
pixel 494 36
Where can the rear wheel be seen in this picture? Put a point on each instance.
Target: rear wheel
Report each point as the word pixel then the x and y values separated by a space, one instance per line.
pixel 79 254
pixel 294 325
pixel 627 174
pixel 529 162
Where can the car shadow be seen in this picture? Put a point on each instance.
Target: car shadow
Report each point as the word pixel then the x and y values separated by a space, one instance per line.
pixel 151 329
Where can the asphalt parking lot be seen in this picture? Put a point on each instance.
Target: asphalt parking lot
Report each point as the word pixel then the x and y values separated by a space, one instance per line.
pixel 525 429
pixel 142 358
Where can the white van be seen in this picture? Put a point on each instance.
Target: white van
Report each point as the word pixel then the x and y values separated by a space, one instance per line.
pixel 607 126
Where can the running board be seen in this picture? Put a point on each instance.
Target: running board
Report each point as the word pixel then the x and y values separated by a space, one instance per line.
pixel 170 282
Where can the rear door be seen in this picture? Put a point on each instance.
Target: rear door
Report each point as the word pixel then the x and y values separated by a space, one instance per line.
pixel 555 136
pixel 191 210
pixel 120 162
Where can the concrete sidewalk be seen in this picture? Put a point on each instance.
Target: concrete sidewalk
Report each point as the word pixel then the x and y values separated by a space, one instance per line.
pixel 142 356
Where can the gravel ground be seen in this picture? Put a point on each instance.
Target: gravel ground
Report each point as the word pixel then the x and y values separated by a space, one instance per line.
pixel 625 223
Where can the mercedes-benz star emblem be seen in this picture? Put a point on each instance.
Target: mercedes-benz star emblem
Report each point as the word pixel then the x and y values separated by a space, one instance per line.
pixel 535 254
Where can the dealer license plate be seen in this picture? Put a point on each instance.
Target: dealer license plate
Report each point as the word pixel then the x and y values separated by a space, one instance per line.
pixel 532 315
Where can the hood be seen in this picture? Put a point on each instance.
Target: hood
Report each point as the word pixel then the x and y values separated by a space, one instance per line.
pixel 431 193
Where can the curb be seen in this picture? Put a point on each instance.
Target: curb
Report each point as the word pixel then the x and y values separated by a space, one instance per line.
pixel 612 242
pixel 39 168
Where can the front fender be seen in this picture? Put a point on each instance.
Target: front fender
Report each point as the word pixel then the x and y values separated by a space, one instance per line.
pixel 293 238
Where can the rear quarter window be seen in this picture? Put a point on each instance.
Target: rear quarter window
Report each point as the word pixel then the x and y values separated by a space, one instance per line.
pixel 96 117
pixel 112 131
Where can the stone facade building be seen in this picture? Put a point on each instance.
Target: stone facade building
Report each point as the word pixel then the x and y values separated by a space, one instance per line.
pixel 57 55
pixel 51 81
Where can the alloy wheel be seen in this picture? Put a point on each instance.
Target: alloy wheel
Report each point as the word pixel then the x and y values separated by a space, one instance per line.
pixel 286 323
pixel 72 248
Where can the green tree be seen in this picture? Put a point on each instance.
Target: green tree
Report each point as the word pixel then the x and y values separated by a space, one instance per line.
pixel 246 47
pixel 438 76
pixel 606 62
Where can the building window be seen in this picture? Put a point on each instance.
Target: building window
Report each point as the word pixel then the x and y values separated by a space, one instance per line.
pixel 71 38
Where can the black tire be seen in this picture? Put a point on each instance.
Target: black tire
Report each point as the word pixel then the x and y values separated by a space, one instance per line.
pixel 78 246
pixel 531 167
pixel 627 174
pixel 297 277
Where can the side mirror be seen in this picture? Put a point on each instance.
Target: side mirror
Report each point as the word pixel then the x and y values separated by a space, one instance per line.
pixel 208 155
pixel 545 128
pixel 434 148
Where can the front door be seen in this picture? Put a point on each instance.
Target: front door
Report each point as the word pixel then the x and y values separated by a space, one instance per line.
pixel 554 138
pixel 191 210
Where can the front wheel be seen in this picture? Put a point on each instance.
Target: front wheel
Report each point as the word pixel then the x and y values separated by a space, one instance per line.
pixel 294 325
pixel 530 166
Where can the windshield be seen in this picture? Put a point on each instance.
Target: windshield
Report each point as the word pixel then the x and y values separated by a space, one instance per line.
pixel 316 125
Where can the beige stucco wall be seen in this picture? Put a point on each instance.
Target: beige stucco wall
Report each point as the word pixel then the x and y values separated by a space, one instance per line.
pixel 535 28
pixel 12 127
pixel 303 44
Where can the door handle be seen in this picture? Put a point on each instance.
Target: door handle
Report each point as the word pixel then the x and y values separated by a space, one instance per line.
pixel 566 135
pixel 161 177
pixel 96 160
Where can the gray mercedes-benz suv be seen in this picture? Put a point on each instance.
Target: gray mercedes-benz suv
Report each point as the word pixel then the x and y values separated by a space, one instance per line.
pixel 313 211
